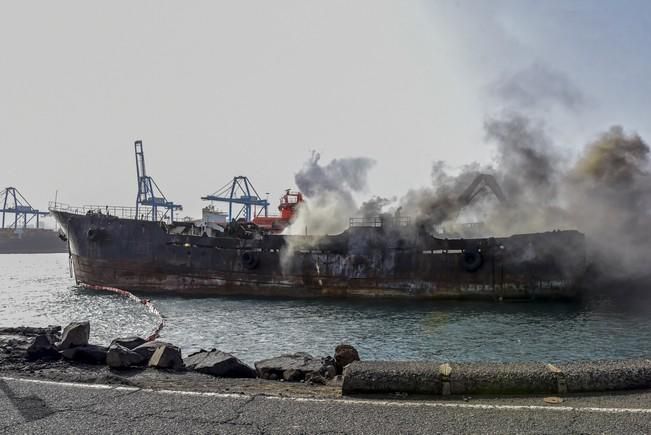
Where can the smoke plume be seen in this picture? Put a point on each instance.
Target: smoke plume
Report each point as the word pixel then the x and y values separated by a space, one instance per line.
pixel 330 203
pixel 374 207
pixel 435 205
pixel 608 196
pixel 538 87
pixel 329 190
pixel 605 191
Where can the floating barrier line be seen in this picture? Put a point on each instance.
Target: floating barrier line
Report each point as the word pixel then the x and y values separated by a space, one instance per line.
pixel 146 302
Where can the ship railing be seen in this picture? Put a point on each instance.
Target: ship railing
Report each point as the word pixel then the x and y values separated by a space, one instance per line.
pixel 123 212
pixel 379 221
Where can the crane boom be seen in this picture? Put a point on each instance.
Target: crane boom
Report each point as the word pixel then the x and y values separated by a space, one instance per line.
pixel 13 202
pixel 240 191
pixel 476 186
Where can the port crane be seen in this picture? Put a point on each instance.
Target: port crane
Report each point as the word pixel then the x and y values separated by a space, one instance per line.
pixel 479 185
pixel 13 202
pixel 240 192
pixel 149 194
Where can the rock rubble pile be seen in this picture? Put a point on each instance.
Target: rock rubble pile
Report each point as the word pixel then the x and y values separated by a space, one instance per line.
pixel 72 344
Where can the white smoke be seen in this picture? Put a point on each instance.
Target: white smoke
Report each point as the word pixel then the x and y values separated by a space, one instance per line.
pixel 329 191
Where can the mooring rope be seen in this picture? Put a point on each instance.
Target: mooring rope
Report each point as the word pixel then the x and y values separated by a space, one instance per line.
pixel 146 302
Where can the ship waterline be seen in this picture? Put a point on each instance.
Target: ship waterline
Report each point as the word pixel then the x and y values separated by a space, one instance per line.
pixel 388 261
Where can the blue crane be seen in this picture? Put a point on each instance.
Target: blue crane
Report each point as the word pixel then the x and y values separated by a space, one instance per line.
pixel 14 203
pixel 240 191
pixel 149 194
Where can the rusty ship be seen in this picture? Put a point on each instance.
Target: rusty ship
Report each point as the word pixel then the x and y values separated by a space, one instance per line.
pixel 142 250
pixel 370 259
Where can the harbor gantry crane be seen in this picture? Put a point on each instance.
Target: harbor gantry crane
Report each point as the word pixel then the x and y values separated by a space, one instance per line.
pixel 14 203
pixel 478 186
pixel 149 194
pixel 240 192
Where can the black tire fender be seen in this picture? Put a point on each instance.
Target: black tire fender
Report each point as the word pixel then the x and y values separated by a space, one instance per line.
pixel 93 234
pixel 250 260
pixel 472 260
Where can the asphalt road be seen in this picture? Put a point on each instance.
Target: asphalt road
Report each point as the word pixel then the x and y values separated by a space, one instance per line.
pixel 34 406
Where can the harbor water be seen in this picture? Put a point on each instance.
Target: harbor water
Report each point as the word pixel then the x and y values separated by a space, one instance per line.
pixel 37 290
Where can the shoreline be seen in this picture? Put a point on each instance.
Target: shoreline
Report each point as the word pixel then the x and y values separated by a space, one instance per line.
pixel 155 379
pixel 311 378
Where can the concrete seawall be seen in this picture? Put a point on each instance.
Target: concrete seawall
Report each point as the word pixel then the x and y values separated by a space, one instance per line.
pixel 435 378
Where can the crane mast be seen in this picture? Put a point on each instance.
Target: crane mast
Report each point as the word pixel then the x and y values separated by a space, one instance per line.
pixel 149 194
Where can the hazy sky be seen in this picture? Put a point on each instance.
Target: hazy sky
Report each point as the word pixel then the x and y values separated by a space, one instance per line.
pixel 217 89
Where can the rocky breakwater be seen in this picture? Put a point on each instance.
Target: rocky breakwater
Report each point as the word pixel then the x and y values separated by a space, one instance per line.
pixel 218 363
pixel 50 344
pixel 303 367
pixel 53 348
pixel 297 367
pixel 27 344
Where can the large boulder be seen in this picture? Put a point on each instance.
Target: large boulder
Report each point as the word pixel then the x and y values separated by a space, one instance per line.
pixel 129 342
pixel 75 334
pixel 344 355
pixel 316 379
pixel 167 356
pixel 329 372
pixel 218 363
pixel 293 375
pixel 291 367
pixel 121 357
pixel 42 348
pixel 90 354
pixel 148 348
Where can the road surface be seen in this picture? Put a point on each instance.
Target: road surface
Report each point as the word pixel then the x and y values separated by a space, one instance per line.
pixel 36 406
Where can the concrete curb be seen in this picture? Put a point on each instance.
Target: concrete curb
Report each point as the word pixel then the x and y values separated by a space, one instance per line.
pixel 435 378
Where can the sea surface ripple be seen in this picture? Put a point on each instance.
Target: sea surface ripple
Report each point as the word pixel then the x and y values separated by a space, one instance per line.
pixel 37 290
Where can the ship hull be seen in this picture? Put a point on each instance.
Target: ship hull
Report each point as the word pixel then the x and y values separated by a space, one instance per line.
pixel 363 262
pixel 31 241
